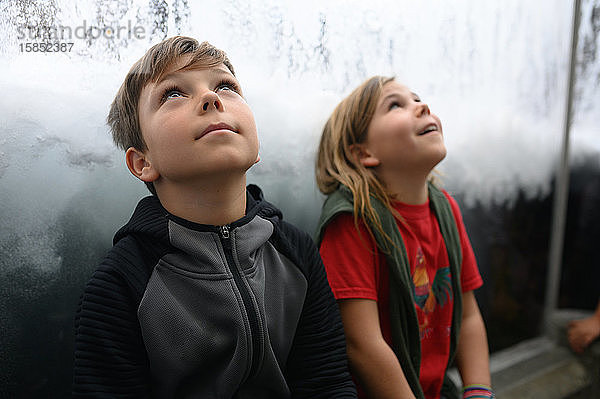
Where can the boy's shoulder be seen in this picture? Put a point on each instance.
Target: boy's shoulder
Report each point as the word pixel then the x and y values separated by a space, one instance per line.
pixel 144 239
pixel 127 266
pixel 271 212
pixel 128 263
pixel 287 237
pixel 294 240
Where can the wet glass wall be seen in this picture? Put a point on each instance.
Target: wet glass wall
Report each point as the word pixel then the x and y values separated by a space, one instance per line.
pixel 495 72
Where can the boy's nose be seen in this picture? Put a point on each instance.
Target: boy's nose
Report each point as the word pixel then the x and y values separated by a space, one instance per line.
pixel 210 101
pixel 215 103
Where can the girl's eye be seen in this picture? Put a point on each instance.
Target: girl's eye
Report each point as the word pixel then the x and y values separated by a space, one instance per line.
pixel 394 105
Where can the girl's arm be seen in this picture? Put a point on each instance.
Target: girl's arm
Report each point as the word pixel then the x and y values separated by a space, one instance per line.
pixel 472 355
pixel 371 358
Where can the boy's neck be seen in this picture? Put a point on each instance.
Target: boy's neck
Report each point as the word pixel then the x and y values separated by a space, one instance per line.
pixel 218 202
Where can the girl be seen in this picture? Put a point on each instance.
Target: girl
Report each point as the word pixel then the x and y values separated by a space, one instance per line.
pixel 396 250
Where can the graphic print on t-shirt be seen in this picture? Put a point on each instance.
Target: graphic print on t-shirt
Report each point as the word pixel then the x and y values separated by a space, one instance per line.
pixel 427 295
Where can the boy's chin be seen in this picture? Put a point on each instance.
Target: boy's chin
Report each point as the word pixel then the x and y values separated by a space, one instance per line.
pixel 239 167
pixel 232 168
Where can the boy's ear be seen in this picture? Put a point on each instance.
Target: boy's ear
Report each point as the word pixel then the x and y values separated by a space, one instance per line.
pixel 140 166
pixel 362 154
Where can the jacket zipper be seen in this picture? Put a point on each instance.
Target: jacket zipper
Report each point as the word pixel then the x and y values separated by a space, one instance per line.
pixel 251 311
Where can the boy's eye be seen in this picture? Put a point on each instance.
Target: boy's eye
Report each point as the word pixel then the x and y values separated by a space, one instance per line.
pixel 227 85
pixel 170 93
pixel 173 94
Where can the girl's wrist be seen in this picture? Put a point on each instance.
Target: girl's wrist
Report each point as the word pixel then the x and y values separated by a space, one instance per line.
pixel 477 391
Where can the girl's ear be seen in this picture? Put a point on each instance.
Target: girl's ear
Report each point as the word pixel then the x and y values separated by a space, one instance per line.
pixel 361 153
pixel 140 166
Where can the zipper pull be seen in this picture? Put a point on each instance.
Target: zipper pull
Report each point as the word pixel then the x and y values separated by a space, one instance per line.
pixel 224 231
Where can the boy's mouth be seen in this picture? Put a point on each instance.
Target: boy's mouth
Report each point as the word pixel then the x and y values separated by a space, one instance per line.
pixel 214 127
pixel 428 129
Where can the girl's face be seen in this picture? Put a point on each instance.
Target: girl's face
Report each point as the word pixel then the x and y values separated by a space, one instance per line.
pixel 403 134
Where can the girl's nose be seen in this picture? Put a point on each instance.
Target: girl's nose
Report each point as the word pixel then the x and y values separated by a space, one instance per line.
pixel 422 109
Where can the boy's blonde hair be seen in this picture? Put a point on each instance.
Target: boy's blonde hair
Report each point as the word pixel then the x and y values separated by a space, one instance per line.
pixel 336 163
pixel 123 117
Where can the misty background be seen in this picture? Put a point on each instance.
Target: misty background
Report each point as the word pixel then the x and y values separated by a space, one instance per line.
pixel 494 72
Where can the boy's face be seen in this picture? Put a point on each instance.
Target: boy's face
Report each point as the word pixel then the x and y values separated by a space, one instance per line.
pixel 196 125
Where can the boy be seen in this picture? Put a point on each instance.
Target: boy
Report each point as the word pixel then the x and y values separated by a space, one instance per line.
pixel 206 293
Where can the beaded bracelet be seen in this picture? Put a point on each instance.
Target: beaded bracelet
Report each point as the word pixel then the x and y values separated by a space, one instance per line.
pixel 474 391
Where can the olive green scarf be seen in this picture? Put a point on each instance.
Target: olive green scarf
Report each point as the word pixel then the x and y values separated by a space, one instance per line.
pixel 404 323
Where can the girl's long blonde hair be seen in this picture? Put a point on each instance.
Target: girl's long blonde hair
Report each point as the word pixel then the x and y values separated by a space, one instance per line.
pixel 336 163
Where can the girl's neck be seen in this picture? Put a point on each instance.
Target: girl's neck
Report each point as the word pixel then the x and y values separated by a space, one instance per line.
pixel 218 202
pixel 407 188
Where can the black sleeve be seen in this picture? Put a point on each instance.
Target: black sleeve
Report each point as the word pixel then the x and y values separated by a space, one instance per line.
pixel 110 358
pixel 317 366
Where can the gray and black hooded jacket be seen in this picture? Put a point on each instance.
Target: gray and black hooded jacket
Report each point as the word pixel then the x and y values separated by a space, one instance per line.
pixel 183 310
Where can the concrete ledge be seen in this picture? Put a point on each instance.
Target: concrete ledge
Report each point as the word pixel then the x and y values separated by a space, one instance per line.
pixel 535 368
pixel 545 367
pixel 552 373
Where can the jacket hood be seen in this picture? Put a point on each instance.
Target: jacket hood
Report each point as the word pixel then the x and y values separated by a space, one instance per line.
pixel 151 219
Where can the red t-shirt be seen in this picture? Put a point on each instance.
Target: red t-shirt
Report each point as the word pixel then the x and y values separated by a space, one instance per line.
pixel 356 270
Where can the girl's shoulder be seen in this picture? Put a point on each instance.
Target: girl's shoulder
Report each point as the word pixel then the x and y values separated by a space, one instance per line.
pixel 453 203
pixel 343 224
